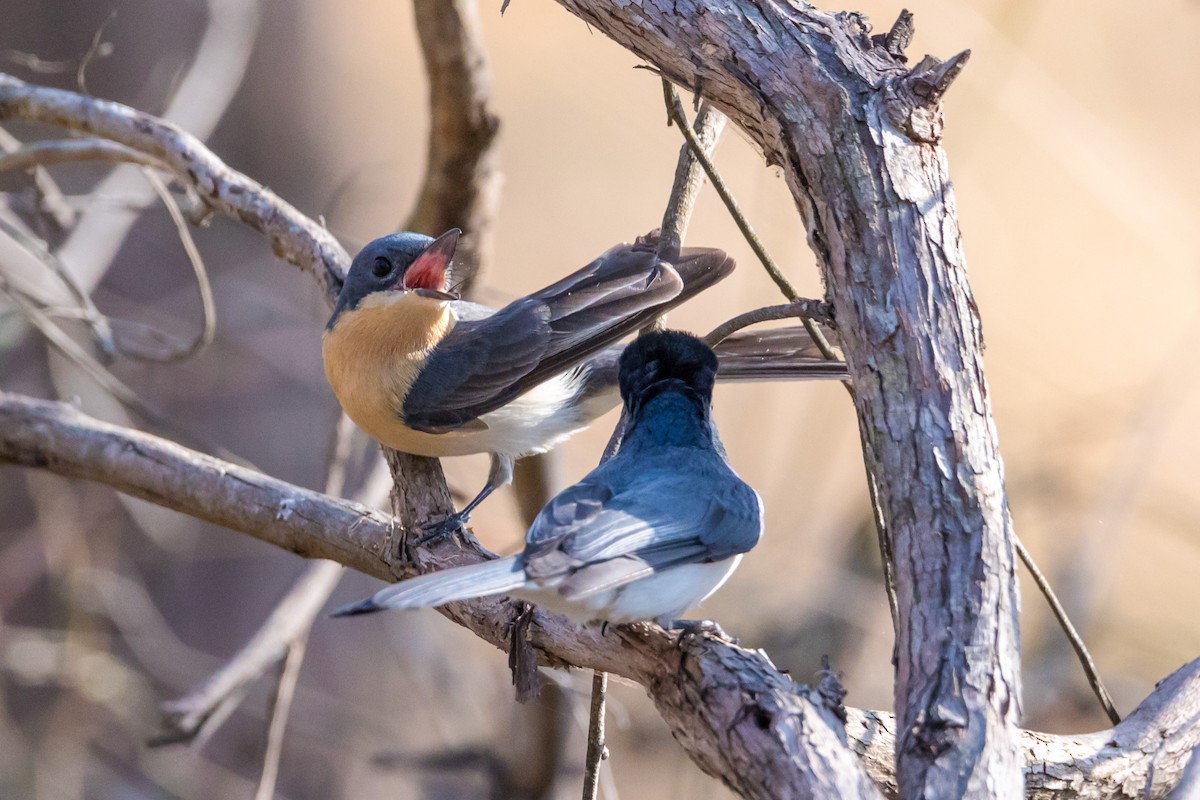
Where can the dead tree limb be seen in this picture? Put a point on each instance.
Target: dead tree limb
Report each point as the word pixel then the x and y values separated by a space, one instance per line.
pixel 738 717
pixel 856 135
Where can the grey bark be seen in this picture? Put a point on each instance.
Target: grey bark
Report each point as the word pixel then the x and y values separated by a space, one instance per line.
pixel 856 135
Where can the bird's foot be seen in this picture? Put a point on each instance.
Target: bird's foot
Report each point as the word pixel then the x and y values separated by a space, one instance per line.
pixel 442 529
pixel 696 627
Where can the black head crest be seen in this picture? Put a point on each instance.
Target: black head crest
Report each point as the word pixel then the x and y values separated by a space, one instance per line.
pixel 657 361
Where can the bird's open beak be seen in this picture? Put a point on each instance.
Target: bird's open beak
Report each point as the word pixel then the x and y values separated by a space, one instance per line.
pixel 428 271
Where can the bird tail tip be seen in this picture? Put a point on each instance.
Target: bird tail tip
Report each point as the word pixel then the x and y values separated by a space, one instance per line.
pixel 354 609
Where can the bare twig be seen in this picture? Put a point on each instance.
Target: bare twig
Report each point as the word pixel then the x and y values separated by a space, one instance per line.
pixel 74 151
pixel 689 179
pixel 1064 622
pixel 597 750
pixel 208 307
pixel 285 690
pixel 802 307
pixel 201 712
pixel 52 200
pixel 87 311
pixel 675 109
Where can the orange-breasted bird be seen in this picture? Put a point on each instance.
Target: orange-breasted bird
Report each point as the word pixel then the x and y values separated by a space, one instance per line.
pixel 426 373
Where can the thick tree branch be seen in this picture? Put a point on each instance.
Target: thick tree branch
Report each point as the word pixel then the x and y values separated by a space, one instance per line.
pixel 855 134
pixel 736 715
pixel 294 237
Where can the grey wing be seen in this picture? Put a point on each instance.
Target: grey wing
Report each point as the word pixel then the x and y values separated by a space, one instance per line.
pixel 598 538
pixel 482 364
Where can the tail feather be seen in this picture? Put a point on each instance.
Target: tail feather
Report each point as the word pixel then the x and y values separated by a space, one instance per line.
pixel 787 353
pixel 446 586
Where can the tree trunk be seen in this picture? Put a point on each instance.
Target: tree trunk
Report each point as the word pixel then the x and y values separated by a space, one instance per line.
pixel 856 135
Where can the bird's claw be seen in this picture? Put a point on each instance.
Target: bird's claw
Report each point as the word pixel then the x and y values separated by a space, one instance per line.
pixel 696 627
pixel 442 529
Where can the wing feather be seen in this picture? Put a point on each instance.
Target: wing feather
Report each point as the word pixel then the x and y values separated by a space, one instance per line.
pixel 483 364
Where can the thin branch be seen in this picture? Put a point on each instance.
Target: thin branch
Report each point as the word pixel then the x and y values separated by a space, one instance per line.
pixel 52 199
pixel 200 712
pixel 208 307
pixel 98 323
pixel 294 237
pixel 681 202
pixel 285 691
pixel 1064 622
pixel 597 750
pixel 802 307
pixel 689 179
pixel 74 151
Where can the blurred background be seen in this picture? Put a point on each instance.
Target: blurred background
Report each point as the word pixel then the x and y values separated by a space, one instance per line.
pixel 1071 136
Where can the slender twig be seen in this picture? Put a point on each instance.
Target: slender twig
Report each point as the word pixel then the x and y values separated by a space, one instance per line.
pixel 208 307
pixel 285 691
pixel 685 189
pixel 1064 622
pixel 597 751
pixel 675 109
pixel 73 151
pixel 52 200
pixel 97 322
pixel 801 307
pixel 689 179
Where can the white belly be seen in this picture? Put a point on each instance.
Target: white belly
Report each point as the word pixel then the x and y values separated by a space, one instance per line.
pixel 663 597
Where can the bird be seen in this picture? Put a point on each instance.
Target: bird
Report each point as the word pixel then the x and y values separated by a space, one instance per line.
pixel 647 535
pixel 429 374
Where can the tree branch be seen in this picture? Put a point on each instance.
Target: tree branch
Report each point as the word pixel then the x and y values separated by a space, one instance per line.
pixel 856 134
pixel 294 237
pixel 735 714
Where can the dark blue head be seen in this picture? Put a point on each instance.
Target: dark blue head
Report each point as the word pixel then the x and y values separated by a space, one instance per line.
pixel 670 360
pixel 397 262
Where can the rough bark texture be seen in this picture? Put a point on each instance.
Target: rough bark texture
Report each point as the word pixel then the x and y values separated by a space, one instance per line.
pixel 735 714
pixel 856 134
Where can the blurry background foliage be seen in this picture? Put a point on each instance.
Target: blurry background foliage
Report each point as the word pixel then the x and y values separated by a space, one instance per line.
pixel 1071 137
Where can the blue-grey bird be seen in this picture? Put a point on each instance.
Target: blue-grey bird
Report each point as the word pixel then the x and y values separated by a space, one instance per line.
pixel 648 534
pixel 426 373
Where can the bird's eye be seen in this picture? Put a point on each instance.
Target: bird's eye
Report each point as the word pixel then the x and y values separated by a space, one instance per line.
pixel 382 267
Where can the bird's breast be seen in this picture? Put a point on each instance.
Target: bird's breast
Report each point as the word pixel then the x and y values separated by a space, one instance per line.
pixel 372 355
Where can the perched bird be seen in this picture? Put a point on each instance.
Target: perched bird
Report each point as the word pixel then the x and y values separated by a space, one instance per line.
pixel 648 534
pixel 426 373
